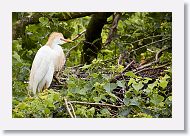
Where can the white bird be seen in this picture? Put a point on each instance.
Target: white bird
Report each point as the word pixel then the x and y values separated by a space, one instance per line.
pixel 49 58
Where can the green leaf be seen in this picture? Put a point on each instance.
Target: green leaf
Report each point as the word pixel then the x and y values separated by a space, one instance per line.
pixel 137 86
pixel 16 56
pixel 109 87
pixel 56 97
pixel 94 75
pixel 96 99
pixel 151 86
pixel 166 76
pixel 22 106
pixel 170 98
pixel 125 111
pixel 83 91
pixel 130 74
pixel 43 20
pixel 121 83
pixel 131 80
pixel 128 94
pixel 105 112
pixel 156 99
pixel 126 101
pixel 47 111
pixel 91 112
pixel 86 67
pixel 106 51
pixel 134 102
pixel 147 90
pixel 146 79
pixel 106 76
pixel 163 83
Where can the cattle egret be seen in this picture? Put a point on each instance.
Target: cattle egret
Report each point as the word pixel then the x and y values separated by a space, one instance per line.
pixel 49 58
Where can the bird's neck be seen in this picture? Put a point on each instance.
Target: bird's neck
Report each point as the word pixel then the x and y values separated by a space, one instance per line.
pixel 52 44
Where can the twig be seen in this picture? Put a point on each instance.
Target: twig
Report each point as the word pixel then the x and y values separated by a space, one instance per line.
pixel 72 109
pixel 121 74
pixel 77 66
pixel 154 62
pixel 151 68
pixel 124 70
pixel 97 104
pixel 150 44
pixel 78 35
pixel 68 53
pixel 67 107
pixel 120 59
pixel 144 39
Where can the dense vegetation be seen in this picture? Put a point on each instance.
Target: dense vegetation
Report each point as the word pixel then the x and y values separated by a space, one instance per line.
pixel 128 76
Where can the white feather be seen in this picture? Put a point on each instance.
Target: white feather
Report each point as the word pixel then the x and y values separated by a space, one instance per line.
pixel 42 69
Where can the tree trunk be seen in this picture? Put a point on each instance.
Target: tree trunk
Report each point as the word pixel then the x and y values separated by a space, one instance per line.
pixel 93 40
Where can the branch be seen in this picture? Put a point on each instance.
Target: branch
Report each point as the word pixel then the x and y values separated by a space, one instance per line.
pixel 78 35
pixel 151 44
pixel 68 53
pixel 67 107
pixel 113 29
pixel 72 109
pixel 97 104
pixel 151 68
pixel 19 26
pixel 124 70
pixel 145 38
pixel 154 62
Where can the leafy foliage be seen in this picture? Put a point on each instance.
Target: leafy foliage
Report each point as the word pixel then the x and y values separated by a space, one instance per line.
pixel 104 88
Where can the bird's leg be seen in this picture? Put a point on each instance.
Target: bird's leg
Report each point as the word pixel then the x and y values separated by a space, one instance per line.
pixel 57 77
pixel 29 93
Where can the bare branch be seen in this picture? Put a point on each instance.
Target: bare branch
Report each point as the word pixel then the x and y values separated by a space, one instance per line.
pixel 145 69
pixel 154 62
pixel 68 53
pixel 149 37
pixel 123 72
pixel 67 107
pixel 72 109
pixel 168 38
pixel 113 29
pixel 78 35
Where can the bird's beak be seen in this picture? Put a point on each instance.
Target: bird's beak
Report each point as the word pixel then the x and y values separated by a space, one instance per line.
pixel 66 40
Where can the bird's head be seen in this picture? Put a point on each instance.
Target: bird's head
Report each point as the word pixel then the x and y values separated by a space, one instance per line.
pixel 57 38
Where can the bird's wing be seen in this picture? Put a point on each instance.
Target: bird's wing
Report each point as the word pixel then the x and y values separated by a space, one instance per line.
pixel 40 66
pixel 60 61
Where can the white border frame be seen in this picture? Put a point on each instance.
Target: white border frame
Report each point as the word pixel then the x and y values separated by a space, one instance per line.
pixel 174 123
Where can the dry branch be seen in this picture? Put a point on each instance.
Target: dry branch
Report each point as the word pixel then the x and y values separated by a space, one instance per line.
pixel 67 107
pixel 154 62
pixel 72 109
pixel 145 69
pixel 168 38
pixel 113 29
pixel 123 72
